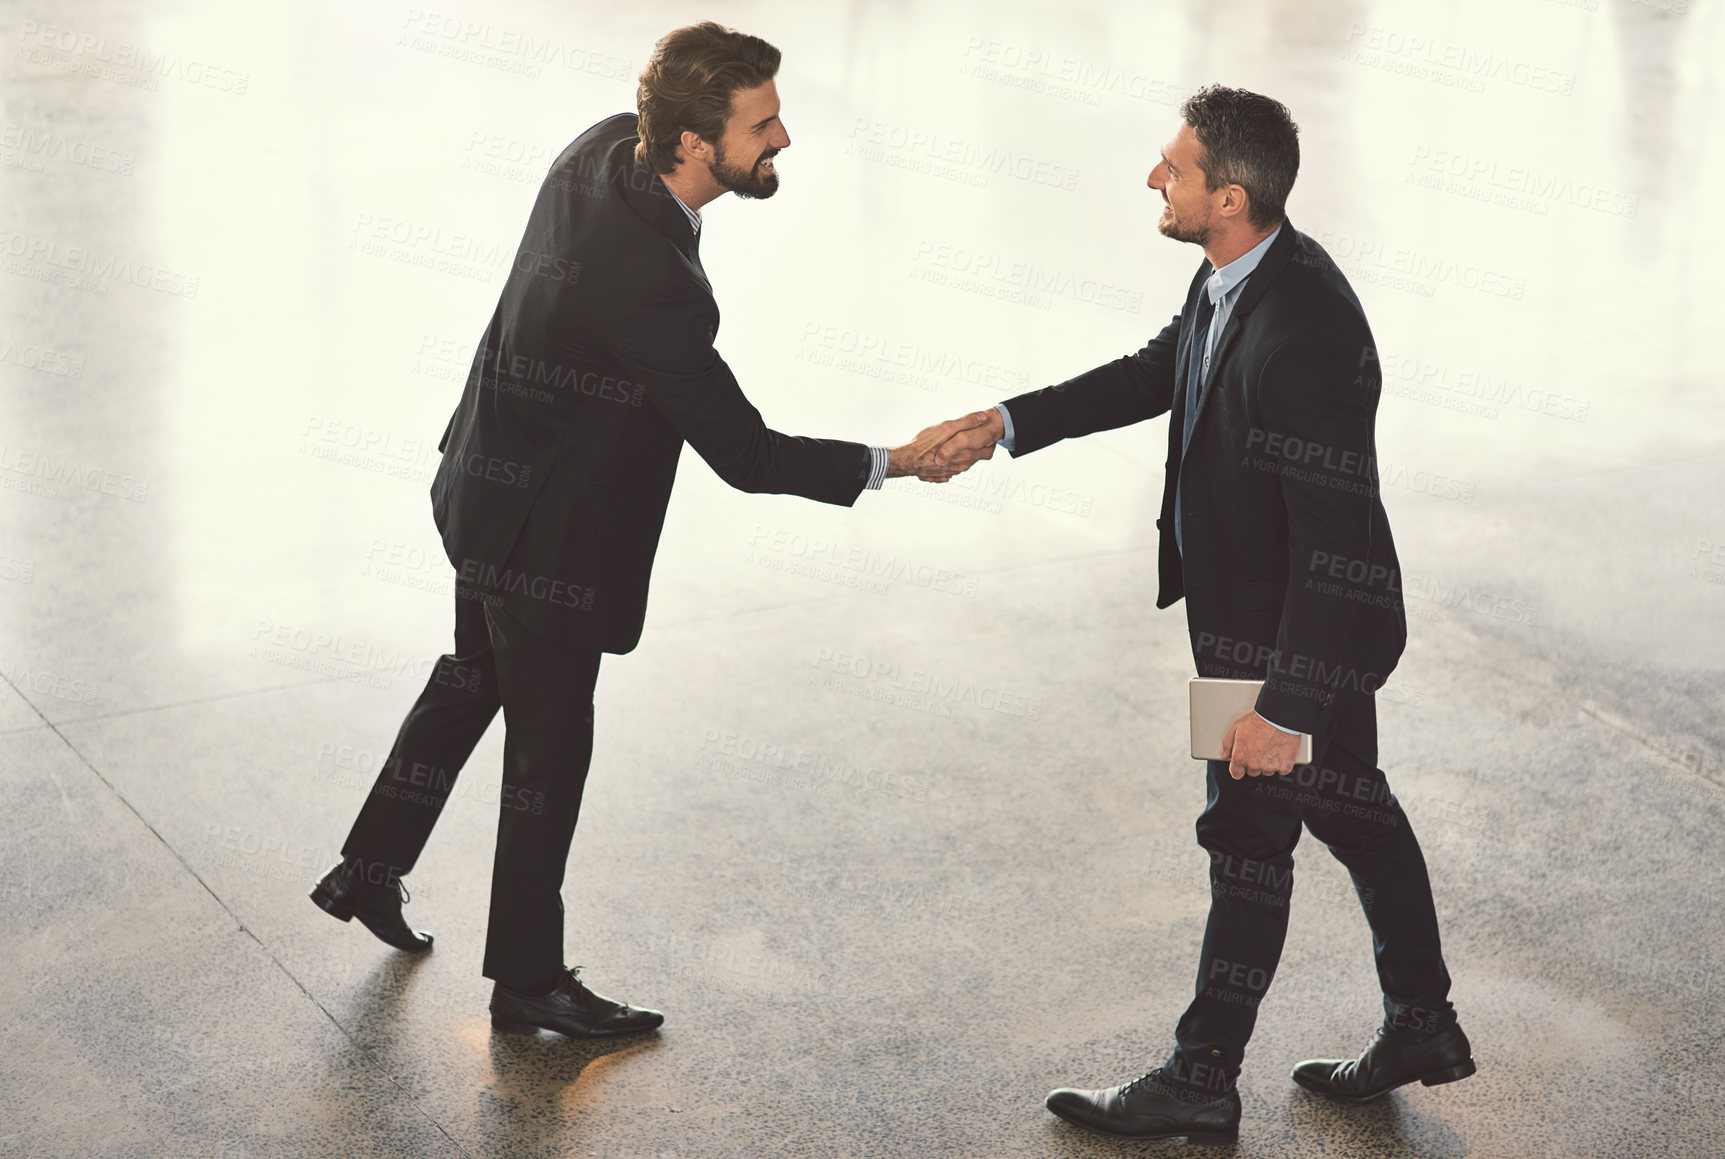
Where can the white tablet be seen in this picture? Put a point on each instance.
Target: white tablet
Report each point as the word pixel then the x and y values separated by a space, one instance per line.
pixel 1216 705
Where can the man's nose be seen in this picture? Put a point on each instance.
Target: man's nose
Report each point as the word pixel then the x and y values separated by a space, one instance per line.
pixel 781 138
pixel 1155 180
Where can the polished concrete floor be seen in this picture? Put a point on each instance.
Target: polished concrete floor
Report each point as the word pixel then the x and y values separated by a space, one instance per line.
pixel 896 855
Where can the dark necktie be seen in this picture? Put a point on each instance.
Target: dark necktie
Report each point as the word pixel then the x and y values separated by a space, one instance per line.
pixel 1195 365
pixel 1194 379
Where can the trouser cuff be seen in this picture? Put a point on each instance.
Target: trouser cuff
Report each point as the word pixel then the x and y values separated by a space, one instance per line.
pixel 1199 1073
pixel 1404 1019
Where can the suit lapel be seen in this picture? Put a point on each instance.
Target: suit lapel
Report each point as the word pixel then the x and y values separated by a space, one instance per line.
pixel 1275 260
pixel 1187 350
pixel 694 252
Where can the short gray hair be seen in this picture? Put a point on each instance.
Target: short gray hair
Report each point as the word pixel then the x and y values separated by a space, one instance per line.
pixel 1248 140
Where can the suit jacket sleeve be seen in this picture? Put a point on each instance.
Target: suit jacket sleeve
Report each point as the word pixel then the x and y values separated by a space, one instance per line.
pixel 1317 413
pixel 1128 390
pixel 666 345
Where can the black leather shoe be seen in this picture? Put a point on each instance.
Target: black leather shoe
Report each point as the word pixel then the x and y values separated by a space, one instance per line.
pixel 571 1010
pixel 345 893
pixel 1149 1108
pixel 1389 1062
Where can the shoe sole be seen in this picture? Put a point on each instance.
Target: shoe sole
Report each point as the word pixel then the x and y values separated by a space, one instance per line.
pixel 1199 1138
pixel 504 1026
pixel 335 908
pixel 1448 1074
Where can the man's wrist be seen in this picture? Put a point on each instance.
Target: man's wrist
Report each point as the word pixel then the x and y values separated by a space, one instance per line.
pixel 1277 727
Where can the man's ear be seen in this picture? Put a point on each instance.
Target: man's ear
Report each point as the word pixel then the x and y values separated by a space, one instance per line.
pixel 694 145
pixel 1234 201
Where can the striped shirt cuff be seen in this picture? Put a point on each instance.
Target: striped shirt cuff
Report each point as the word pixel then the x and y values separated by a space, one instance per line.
pixel 878 459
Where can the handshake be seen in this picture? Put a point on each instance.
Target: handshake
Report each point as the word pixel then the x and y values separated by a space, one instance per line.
pixel 949 448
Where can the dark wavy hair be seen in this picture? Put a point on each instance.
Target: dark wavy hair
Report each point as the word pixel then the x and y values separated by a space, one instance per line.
pixel 688 84
pixel 1248 140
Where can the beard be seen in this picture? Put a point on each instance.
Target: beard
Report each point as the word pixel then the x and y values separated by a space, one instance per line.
pixel 753 182
pixel 1197 234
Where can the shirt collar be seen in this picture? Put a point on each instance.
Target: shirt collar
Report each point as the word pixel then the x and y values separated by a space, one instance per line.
pixel 1222 281
pixel 694 215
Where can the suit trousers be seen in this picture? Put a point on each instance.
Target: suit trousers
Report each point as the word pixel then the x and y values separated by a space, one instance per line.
pixel 545 690
pixel 1249 828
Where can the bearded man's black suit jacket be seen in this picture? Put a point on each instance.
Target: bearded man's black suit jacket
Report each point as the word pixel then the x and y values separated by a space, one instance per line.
pixel 597 366
pixel 1289 571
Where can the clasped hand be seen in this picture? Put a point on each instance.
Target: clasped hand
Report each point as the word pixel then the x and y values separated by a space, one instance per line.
pixel 947 449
